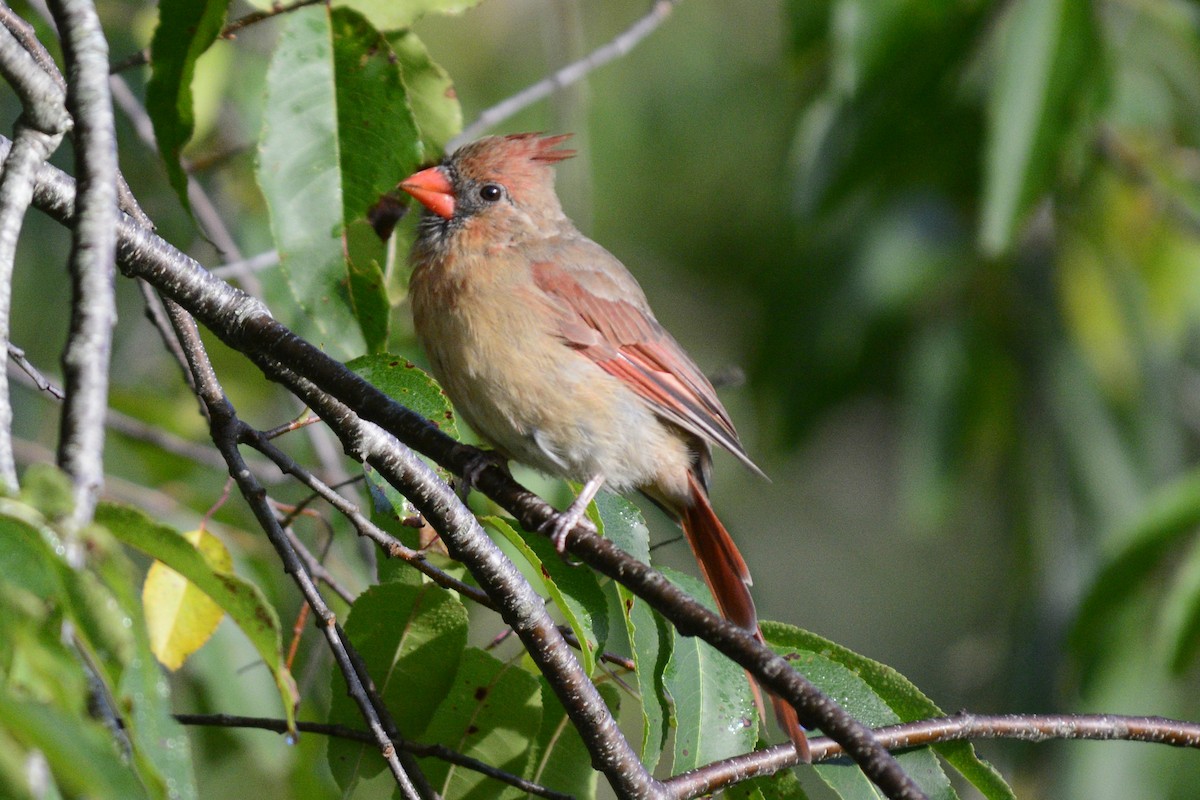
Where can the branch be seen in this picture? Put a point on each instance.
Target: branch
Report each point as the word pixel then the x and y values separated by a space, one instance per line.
pixel 39 131
pixel 961 726
pixel 245 325
pixel 93 304
pixel 516 601
pixel 342 732
pixel 230 31
pixel 571 73
pixel 227 430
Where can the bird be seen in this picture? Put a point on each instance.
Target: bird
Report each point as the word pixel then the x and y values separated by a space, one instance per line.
pixel 547 346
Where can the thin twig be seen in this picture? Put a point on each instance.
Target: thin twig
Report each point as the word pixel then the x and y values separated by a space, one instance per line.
pixel 212 226
pixel 32 373
pixel 230 31
pixel 571 73
pixel 961 726
pixel 93 245
pixel 251 265
pixel 342 732
pixel 227 430
pixel 519 605
pixel 134 428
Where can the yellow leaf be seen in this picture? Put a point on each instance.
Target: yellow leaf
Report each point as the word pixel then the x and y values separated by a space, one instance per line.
pixel 179 616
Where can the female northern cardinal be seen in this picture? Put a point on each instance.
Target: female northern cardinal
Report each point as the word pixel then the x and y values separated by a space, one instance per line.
pixel 547 347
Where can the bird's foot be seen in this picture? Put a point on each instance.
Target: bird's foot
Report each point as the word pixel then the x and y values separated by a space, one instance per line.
pixel 559 527
pixel 561 524
pixel 476 464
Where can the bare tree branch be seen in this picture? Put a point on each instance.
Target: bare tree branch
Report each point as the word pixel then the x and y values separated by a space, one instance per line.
pixel 571 73
pixel 93 305
pixel 38 133
pixel 227 430
pixel 342 732
pixel 961 726
pixel 516 601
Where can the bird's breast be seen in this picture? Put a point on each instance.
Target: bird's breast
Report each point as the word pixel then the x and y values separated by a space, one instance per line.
pixel 494 347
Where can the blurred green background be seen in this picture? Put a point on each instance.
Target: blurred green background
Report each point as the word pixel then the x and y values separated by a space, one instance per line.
pixel 953 245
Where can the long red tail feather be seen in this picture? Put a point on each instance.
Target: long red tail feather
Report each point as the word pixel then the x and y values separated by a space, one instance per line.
pixel 728 579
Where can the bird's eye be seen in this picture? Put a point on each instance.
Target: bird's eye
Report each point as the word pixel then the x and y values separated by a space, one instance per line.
pixel 491 192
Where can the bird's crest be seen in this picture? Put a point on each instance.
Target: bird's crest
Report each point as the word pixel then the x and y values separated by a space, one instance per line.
pixel 540 147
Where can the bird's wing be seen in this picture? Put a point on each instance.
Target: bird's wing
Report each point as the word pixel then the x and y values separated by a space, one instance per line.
pixel 605 316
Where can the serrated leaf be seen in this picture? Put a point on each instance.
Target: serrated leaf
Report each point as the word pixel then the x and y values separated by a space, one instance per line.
pixel 650 636
pixel 411 638
pixel 561 760
pixel 864 704
pixel 714 708
pixel 492 712
pixel 431 92
pixel 409 385
pixel 388 15
pixel 241 600
pixel 900 697
pixel 1046 49
pixel 574 591
pixel 378 141
pixel 180 617
pixel 337 133
pixel 186 29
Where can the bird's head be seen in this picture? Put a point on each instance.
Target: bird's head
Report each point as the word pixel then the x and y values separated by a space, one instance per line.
pixel 495 177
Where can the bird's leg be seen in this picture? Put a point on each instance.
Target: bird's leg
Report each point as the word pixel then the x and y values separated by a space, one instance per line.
pixel 561 524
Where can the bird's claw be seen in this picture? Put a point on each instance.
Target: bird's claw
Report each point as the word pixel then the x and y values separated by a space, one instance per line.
pixel 559 527
pixel 476 464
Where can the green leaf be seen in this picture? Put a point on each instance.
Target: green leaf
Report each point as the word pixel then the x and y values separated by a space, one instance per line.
pixel 388 15
pixel 782 785
pixel 493 712
pixel 241 600
pixel 903 701
pixel 1048 55
pixel 575 591
pixel 378 142
pixel 650 637
pixel 560 760
pixel 409 385
pixel 431 93
pixel 411 638
pixel 1181 613
pixel 80 754
pixel 186 28
pixel 337 133
pixel 864 704
pixel 1171 514
pixel 88 617
pixel 300 176
pixel 711 695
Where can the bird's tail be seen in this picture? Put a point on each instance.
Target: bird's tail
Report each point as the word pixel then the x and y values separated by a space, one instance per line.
pixel 728 579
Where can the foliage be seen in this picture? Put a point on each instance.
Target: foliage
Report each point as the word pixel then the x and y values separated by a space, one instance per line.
pixel 981 216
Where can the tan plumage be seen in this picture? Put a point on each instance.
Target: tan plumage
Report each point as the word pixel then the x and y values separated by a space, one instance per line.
pixel 548 348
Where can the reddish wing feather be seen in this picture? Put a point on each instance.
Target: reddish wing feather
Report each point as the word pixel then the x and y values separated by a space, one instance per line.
pixel 628 343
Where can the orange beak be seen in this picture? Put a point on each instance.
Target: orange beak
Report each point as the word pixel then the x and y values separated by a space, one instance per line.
pixel 432 189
